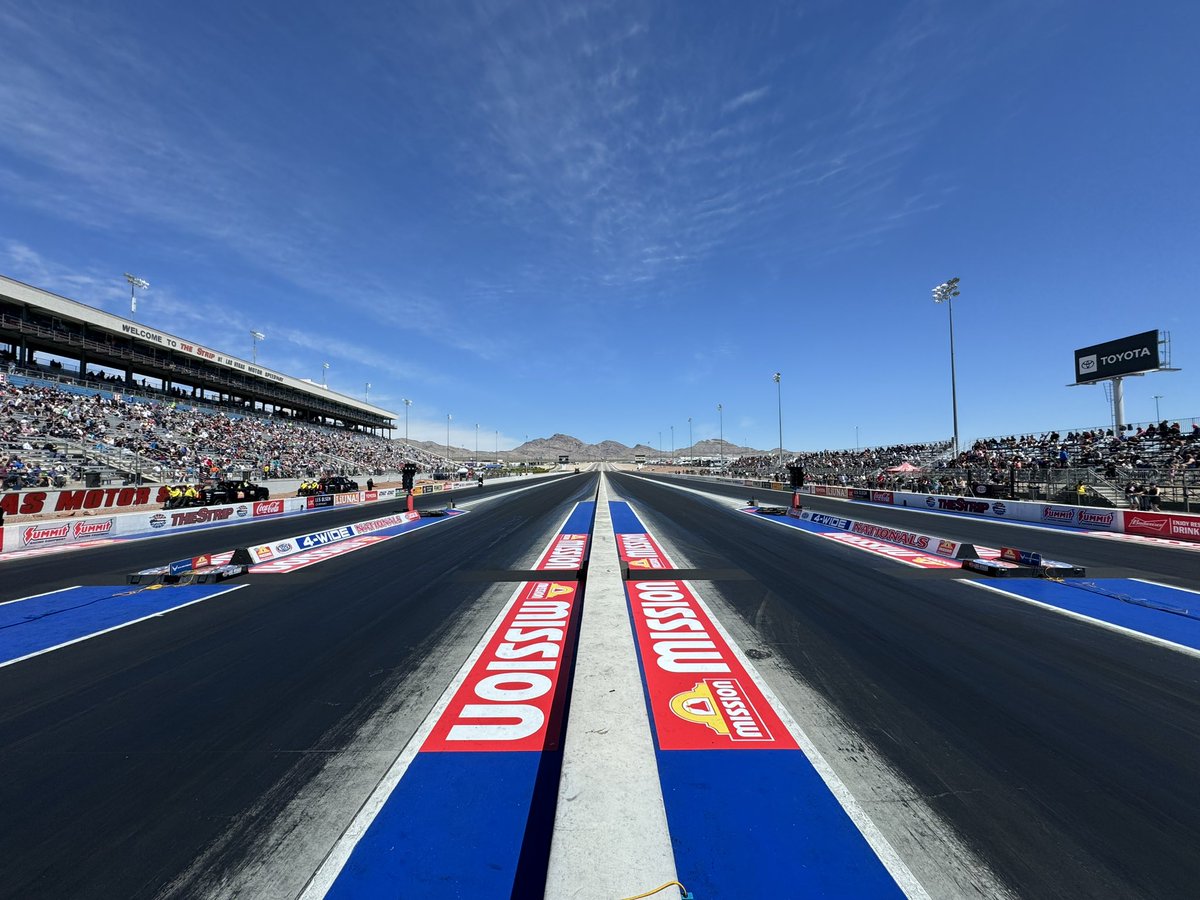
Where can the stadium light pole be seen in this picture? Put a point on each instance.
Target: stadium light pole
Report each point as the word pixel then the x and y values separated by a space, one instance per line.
pixel 367 393
pixel 407 404
pixel 476 443
pixel 447 436
pixel 1157 416
pixel 691 444
pixel 324 374
pixel 672 445
pixel 945 293
pixel 779 396
pixel 134 284
pixel 255 337
pixel 721 413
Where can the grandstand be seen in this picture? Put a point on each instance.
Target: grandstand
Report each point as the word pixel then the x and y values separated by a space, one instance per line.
pixel 43 332
pixel 88 397
pixel 1049 466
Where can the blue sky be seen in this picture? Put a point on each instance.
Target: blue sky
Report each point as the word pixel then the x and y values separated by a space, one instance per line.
pixel 604 218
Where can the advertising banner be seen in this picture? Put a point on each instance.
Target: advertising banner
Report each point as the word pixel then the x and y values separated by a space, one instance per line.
pixel 1124 356
pixel 29 503
pixel 1173 526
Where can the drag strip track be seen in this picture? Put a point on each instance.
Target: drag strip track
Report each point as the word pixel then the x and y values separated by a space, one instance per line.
pixel 127 758
pixel 1099 554
pixel 1061 753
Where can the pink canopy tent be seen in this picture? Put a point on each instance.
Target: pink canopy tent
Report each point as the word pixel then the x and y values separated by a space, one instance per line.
pixel 903 467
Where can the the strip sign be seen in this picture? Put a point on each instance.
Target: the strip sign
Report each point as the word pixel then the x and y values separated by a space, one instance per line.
pixel 700 695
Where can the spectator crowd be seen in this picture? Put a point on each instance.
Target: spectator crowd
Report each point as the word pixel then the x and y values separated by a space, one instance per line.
pixel 175 443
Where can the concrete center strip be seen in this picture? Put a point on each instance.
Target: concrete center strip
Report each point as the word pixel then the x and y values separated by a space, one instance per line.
pixel 610 828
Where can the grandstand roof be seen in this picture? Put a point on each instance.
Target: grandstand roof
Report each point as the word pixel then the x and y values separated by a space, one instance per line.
pixel 96 322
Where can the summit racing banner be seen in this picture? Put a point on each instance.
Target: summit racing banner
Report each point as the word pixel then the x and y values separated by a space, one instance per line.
pixel 701 697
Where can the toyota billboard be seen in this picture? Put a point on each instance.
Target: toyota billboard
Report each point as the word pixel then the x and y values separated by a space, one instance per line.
pixel 1124 356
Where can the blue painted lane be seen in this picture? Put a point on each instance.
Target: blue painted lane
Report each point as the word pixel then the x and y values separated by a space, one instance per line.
pixel 580 519
pixel 748 812
pixel 763 823
pixel 624 519
pixel 1162 612
pixel 453 828
pixel 40 623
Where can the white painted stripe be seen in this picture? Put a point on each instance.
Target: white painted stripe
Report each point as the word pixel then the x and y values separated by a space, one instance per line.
pixel 325 876
pixel 1173 587
pixel 44 594
pixel 88 637
pixel 610 826
pixel 1071 614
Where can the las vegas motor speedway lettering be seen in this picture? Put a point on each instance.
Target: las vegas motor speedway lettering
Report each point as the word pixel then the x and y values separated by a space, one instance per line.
pixel 701 697
pixel 510 699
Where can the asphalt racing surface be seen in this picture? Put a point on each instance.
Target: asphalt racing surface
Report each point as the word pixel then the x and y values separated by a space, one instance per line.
pixel 123 758
pixel 1064 754
pixel 146 761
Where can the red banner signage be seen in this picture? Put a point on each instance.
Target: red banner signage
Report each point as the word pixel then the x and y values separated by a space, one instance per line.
pixel 28 503
pixel 701 696
pixel 1163 525
pixel 641 551
pixel 566 553
pixel 512 697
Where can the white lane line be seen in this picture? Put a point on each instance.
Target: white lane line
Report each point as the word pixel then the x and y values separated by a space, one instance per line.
pixel 600 848
pixel 1071 614
pixel 325 876
pixel 88 637
pixel 1173 587
pixel 44 594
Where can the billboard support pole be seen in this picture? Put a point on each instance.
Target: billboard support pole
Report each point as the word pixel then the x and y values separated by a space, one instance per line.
pixel 1118 384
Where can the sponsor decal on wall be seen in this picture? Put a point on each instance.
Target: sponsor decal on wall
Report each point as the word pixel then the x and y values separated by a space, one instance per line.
pixel 268 507
pixel 1163 525
pixel 64 532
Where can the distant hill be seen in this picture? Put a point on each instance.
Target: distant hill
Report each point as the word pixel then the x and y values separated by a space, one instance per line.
pixel 549 449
